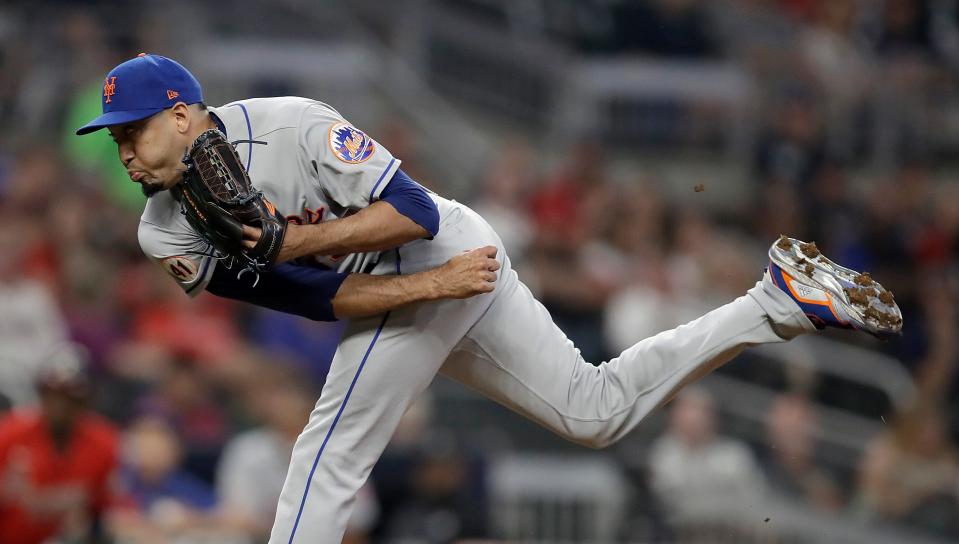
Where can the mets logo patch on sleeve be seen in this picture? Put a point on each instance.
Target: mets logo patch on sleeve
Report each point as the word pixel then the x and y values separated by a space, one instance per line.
pixel 183 269
pixel 350 144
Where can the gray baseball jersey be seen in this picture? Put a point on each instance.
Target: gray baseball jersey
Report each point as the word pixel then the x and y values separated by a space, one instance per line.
pixel 315 166
pixel 308 161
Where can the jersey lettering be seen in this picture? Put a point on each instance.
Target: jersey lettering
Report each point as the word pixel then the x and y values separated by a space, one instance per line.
pixel 182 268
pixel 310 217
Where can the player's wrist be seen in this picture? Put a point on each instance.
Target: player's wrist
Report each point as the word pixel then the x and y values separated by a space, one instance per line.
pixel 293 243
pixel 431 284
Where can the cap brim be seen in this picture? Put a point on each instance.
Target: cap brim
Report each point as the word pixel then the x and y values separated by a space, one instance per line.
pixel 116 118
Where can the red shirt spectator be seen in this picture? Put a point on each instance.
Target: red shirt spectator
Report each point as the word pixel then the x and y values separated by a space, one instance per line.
pixel 573 205
pixel 55 463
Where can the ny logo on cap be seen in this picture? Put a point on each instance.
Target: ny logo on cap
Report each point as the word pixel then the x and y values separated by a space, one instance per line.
pixel 109 88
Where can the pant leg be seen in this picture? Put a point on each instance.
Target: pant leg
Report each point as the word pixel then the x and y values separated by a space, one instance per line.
pixel 364 396
pixel 381 365
pixel 518 357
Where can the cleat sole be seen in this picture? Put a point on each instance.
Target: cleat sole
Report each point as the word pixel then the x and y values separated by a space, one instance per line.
pixel 868 306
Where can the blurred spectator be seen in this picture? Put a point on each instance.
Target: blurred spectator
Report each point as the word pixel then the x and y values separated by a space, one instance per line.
pixel 906 28
pixel 504 197
pixel 91 262
pixel 639 311
pixel 909 473
pixel 398 136
pixel 254 463
pixel 692 468
pixel 393 473
pixel 567 262
pixel 758 34
pixel 160 499
pixel 673 277
pixel 56 460
pixel 644 305
pixel 638 224
pixel 202 329
pixel 441 506
pixel 893 219
pixel 936 372
pixel 309 345
pixel 938 243
pixel 186 399
pixel 790 461
pixel 833 53
pixel 779 211
pixel 708 266
pixel 831 46
pixel 834 218
pixel 30 321
pixel 77 48
pixel 431 490
pixel 571 204
pixel 791 150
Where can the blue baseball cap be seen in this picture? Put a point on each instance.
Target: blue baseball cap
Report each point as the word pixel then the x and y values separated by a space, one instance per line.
pixel 141 87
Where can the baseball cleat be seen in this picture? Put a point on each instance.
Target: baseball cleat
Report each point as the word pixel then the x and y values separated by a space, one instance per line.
pixel 831 295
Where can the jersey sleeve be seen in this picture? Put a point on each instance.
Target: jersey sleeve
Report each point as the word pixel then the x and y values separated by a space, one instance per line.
pixel 410 199
pixel 286 287
pixel 351 168
pixel 184 257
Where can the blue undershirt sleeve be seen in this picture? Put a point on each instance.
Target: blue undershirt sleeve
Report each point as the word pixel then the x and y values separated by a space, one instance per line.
pixel 294 289
pixel 410 199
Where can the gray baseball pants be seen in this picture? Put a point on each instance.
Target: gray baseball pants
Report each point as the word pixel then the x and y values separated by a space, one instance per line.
pixel 504 345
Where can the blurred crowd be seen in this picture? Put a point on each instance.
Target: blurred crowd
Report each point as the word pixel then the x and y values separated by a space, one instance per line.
pixel 132 411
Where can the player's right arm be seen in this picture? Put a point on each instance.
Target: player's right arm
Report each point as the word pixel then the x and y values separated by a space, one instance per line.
pixel 325 295
pixel 381 207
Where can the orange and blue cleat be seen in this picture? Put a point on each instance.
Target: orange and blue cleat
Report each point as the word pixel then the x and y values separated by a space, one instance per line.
pixel 831 295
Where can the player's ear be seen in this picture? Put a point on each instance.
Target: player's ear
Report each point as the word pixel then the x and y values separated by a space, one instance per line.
pixel 182 116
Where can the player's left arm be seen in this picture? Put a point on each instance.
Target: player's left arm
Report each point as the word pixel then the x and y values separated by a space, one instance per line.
pixel 325 295
pixel 403 213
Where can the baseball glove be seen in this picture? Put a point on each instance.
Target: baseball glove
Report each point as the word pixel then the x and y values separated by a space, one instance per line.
pixel 217 198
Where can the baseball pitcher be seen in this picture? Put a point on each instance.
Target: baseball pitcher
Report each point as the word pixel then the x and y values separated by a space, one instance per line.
pixel 281 202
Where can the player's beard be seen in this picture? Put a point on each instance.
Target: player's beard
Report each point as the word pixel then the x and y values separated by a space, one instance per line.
pixel 150 188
